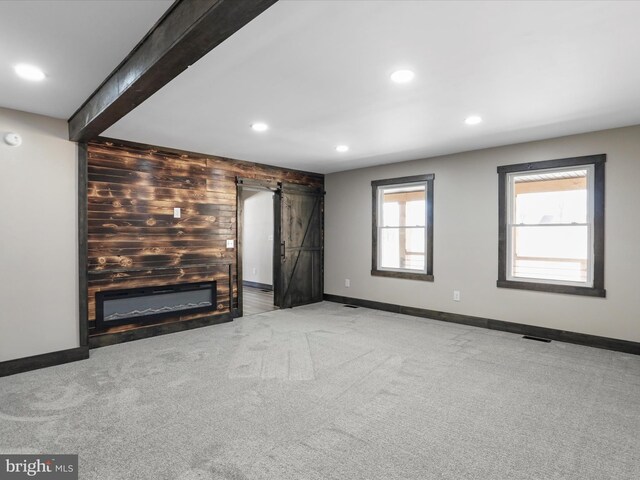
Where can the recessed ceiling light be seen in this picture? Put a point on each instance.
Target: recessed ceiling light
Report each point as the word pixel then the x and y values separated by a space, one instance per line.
pixel 473 120
pixel 29 72
pixel 342 148
pixel 260 127
pixel 402 76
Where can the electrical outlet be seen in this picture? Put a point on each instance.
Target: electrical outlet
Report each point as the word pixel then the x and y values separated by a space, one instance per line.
pixel 347 282
pixel 230 243
pixel 176 212
pixel 255 270
pixel 456 295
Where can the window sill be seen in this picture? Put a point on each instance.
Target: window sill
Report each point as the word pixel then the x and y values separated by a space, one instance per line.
pixel 406 275
pixel 552 288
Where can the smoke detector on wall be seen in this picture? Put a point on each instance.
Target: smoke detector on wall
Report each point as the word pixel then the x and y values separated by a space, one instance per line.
pixel 13 139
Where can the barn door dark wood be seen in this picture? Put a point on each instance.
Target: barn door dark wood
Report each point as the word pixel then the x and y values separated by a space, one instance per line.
pixel 298 263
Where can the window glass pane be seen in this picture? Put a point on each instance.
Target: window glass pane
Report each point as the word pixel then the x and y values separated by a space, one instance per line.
pixel 552 197
pixel 402 248
pixel 414 262
pixel 414 254
pixel 415 213
pixel 390 214
pixel 552 252
pixel 402 206
pixel 414 240
pixel 389 239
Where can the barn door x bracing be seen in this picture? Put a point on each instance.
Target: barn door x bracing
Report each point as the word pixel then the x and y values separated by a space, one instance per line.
pixel 298 260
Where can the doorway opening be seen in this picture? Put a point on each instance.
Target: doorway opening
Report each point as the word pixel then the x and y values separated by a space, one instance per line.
pixel 258 227
pixel 284 225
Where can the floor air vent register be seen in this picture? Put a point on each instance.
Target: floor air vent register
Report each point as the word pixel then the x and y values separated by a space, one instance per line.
pixel 537 339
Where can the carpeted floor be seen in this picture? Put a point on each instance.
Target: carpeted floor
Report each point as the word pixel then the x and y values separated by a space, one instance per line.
pixel 327 392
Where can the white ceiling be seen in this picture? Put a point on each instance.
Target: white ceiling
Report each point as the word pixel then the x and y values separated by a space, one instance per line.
pixel 318 73
pixel 76 43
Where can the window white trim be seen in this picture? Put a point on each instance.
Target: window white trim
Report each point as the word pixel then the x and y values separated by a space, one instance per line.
pixel 380 197
pixel 590 225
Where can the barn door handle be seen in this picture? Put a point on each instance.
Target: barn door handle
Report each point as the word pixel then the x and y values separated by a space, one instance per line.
pixel 282 249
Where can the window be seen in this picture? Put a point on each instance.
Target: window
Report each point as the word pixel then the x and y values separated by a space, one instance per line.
pixel 403 228
pixel 551 217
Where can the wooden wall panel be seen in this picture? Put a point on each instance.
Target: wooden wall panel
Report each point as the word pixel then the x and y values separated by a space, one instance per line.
pixel 133 239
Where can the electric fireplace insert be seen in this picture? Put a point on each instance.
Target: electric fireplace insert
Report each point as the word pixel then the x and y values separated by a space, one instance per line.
pixel 141 305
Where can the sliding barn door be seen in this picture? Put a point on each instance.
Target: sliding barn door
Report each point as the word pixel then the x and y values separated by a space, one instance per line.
pixel 298 263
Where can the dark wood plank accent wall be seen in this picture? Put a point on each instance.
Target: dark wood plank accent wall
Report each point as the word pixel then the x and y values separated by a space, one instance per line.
pixel 133 239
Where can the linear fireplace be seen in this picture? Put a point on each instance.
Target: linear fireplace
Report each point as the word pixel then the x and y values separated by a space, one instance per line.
pixel 140 305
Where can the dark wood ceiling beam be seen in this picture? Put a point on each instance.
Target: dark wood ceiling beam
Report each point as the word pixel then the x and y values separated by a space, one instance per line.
pixel 188 31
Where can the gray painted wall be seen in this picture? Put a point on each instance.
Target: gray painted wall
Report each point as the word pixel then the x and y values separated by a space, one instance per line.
pixel 38 239
pixel 257 237
pixel 466 238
